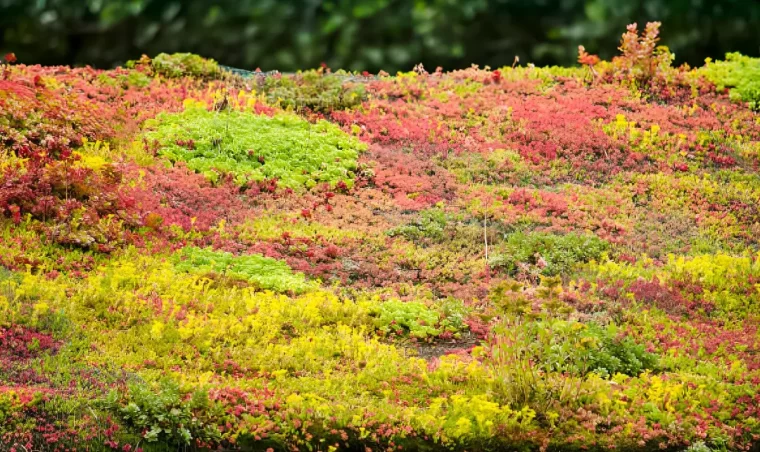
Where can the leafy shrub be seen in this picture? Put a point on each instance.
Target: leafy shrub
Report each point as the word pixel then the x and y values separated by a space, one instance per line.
pixel 641 58
pixel 553 254
pixel 412 317
pixel 454 313
pixel 180 65
pixel 738 72
pixel 699 446
pixel 265 272
pixel 517 380
pixel 164 415
pixel 614 353
pixel 254 148
pixel 578 348
pixel 420 321
pixel 314 89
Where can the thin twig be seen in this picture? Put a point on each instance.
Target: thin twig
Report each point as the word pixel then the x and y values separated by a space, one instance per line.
pixel 485 234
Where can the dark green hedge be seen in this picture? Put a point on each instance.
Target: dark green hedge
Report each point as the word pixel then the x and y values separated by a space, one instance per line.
pixel 365 34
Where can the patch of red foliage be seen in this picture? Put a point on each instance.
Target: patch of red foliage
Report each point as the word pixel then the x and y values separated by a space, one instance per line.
pixel 18 346
pixel 414 182
pixel 545 124
pixel 677 298
pixel 28 425
pixel 19 343
pixel 177 196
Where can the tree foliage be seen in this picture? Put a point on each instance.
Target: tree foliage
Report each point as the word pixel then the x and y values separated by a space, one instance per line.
pixel 363 34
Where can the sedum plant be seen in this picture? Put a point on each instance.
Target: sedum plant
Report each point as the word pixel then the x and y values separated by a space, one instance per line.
pixel 553 254
pixel 420 321
pixel 180 65
pixel 314 89
pixel 253 147
pixel 265 272
pixel 430 224
pixel 738 72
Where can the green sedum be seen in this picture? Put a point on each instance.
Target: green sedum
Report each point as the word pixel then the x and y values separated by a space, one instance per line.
pixel 265 272
pixel 253 148
pixel 738 72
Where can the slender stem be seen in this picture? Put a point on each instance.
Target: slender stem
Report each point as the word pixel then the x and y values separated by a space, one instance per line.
pixel 485 234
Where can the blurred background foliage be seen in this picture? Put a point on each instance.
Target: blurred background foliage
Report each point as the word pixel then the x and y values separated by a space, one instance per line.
pixel 366 34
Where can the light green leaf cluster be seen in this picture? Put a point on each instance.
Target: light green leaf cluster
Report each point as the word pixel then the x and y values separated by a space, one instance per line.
pixel 265 272
pixel 738 72
pixel 257 147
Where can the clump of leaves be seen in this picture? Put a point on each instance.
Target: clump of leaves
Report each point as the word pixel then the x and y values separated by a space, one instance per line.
pixel 264 272
pixel 179 65
pixel 316 90
pixel 257 147
pixel 164 416
pixel 454 315
pixel 416 319
pixel 613 352
pixel 508 297
pixel 738 72
pixel 500 166
pixel 557 345
pixel 641 61
pixel 641 57
pixel 125 80
pixel 551 254
pixel 430 224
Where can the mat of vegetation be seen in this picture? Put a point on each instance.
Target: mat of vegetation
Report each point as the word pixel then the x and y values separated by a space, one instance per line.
pixel 522 258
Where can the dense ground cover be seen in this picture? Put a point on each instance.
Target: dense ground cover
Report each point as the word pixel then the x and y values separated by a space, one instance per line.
pixel 522 258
